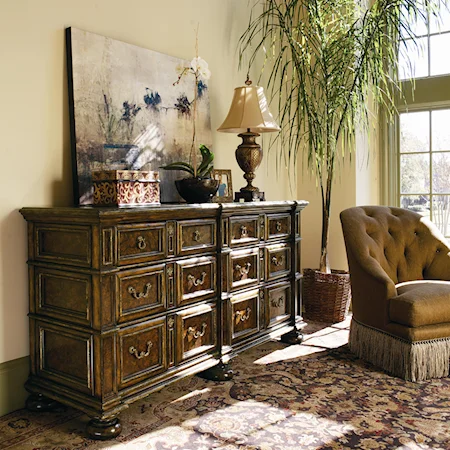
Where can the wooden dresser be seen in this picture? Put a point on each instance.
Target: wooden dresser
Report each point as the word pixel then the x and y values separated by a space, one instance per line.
pixel 124 301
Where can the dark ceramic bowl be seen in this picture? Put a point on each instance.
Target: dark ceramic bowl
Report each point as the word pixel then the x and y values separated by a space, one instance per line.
pixel 197 190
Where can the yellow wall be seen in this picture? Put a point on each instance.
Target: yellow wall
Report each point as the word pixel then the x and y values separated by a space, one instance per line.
pixel 34 125
pixel 356 183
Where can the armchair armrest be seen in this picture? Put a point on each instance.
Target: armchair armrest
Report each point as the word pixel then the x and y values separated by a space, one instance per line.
pixel 371 290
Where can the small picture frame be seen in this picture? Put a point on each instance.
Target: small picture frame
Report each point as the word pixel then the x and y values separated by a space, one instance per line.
pixel 225 191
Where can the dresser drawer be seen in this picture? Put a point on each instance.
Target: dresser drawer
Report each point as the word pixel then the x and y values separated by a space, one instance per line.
pixel 196 331
pixel 141 292
pixel 140 242
pixel 277 307
pixel 196 236
pixel 196 279
pixel 243 313
pixel 244 268
pixel 244 230
pixel 279 226
pixel 142 351
pixel 278 261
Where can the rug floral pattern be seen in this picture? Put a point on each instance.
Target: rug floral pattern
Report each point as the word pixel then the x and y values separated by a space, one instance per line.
pixel 311 396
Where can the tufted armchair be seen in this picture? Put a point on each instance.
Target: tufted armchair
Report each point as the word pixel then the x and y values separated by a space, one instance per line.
pixel 399 266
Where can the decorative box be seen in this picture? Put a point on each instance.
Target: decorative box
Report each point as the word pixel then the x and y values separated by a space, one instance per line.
pixel 125 188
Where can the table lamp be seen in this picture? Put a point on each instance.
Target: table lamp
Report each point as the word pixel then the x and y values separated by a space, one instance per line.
pixel 249 115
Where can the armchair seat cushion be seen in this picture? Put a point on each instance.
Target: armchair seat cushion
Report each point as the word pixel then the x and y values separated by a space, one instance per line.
pixel 418 303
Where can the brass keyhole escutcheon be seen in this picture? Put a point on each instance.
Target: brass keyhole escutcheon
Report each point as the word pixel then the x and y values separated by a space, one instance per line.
pixel 141 242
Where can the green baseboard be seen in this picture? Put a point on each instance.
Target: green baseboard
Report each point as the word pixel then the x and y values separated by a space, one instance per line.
pixel 13 375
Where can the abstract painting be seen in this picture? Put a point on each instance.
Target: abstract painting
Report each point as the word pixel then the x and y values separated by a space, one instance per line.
pixel 129 110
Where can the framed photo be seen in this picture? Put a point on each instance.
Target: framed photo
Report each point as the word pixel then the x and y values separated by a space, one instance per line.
pixel 225 191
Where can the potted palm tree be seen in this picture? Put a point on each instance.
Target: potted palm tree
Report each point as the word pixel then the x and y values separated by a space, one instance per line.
pixel 330 65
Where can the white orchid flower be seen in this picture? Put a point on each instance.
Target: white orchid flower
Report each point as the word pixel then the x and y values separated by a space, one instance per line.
pixel 200 67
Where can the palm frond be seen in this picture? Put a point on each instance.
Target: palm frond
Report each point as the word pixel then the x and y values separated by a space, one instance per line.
pixel 330 64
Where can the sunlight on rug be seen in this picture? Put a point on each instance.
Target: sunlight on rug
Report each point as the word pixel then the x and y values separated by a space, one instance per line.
pixel 318 337
pixel 312 396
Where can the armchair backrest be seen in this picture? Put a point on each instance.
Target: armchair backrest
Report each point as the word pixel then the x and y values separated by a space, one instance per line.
pixel 406 245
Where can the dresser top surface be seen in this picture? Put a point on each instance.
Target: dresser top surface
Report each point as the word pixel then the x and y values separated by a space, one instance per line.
pixel 178 210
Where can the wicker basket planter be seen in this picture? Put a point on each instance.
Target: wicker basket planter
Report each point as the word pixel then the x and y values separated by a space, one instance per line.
pixel 326 296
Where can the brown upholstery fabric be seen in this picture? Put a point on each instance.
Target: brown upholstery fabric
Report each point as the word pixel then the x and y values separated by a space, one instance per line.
pixel 386 246
pixel 421 303
pixel 423 333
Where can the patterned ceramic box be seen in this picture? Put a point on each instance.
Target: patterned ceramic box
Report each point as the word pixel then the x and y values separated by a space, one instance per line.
pixel 125 188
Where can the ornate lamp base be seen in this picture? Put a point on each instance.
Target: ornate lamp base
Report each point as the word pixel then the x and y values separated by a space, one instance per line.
pixel 249 156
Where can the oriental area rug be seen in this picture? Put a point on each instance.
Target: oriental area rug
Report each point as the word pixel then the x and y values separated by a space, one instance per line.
pixel 316 395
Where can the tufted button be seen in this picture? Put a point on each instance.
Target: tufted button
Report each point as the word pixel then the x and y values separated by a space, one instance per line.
pixel 416 233
pixel 438 250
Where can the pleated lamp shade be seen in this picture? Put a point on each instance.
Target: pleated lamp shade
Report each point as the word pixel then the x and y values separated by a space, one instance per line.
pixel 249 110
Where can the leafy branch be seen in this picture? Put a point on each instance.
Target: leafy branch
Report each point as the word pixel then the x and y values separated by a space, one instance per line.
pixel 332 64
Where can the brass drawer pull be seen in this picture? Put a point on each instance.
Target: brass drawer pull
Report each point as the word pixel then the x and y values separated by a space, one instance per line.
pixel 277 302
pixel 242 316
pixel 141 244
pixel 196 235
pixel 192 331
pixel 243 271
pixel 244 231
pixel 140 355
pixel 138 295
pixel 196 282
pixel 277 262
pixel 278 226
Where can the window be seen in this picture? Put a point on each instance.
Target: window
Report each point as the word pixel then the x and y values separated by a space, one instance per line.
pixel 419 168
pixel 425 165
pixel 426 56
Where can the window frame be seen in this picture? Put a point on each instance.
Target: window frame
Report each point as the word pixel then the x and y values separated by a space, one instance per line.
pixel 422 94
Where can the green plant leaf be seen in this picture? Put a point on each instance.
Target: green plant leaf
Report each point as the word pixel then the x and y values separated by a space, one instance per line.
pixel 330 65
pixel 206 166
pixel 179 165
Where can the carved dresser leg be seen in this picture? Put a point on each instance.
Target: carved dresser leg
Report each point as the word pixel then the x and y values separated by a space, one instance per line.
pixel 103 429
pixel 220 372
pixel 39 403
pixel 293 337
